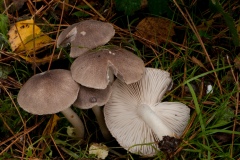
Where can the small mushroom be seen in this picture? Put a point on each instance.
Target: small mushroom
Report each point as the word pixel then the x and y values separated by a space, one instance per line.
pixel 137 118
pixel 85 36
pixel 51 92
pixel 95 69
pixel 90 98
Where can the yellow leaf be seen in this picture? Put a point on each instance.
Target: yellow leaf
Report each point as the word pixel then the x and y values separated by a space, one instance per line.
pixel 50 125
pixel 29 47
pixel 43 60
pixel 23 35
pixel 20 31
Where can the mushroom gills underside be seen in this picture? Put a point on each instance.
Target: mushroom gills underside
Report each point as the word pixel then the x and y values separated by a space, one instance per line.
pixel 165 118
pixel 174 114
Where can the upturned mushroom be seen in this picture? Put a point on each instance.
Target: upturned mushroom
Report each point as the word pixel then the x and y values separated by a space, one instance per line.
pixel 137 118
pixel 51 92
pixel 85 35
pixel 90 98
pixel 95 69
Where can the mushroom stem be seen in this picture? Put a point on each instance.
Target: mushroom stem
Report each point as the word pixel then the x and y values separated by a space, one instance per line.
pixel 75 121
pixel 97 110
pixel 153 121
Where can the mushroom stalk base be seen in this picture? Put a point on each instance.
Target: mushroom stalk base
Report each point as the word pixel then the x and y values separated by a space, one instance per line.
pixel 153 121
pixel 73 118
pixel 97 110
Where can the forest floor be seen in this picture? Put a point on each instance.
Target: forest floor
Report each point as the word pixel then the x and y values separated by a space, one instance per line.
pixel 197 42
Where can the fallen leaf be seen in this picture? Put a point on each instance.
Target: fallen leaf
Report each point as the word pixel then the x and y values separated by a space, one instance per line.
pixel 51 125
pixel 156 30
pixel 21 31
pixel 43 60
pixel 40 42
pixel 98 149
pixel 26 36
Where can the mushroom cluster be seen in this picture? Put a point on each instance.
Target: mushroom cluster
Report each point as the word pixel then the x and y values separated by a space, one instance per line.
pixel 92 72
pixel 94 69
pixel 110 76
pixel 51 92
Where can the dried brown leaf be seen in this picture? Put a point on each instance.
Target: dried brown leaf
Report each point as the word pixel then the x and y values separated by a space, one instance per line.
pixel 156 30
pixel 39 61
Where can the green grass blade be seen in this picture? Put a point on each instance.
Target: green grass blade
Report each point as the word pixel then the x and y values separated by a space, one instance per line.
pixel 197 107
pixel 206 73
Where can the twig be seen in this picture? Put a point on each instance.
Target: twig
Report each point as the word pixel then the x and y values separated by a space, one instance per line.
pixel 18 135
pixel 56 147
pixel 58 31
pixel 79 9
pixel 89 5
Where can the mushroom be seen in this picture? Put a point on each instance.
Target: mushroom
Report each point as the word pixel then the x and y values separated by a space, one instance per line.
pixel 51 92
pixel 94 99
pixel 85 36
pixel 95 69
pixel 137 118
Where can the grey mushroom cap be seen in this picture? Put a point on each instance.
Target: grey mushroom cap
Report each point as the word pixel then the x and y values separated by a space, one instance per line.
pixel 90 97
pixel 85 35
pixel 48 92
pixel 94 69
pixel 137 118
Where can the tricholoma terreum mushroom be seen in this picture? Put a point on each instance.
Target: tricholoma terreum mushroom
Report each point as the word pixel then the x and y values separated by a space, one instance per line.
pixel 85 35
pixel 95 69
pixel 51 92
pixel 137 118
pixel 90 98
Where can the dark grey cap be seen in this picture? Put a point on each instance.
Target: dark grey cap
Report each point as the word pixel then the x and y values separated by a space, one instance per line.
pixel 94 69
pixel 48 92
pixel 90 97
pixel 85 36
